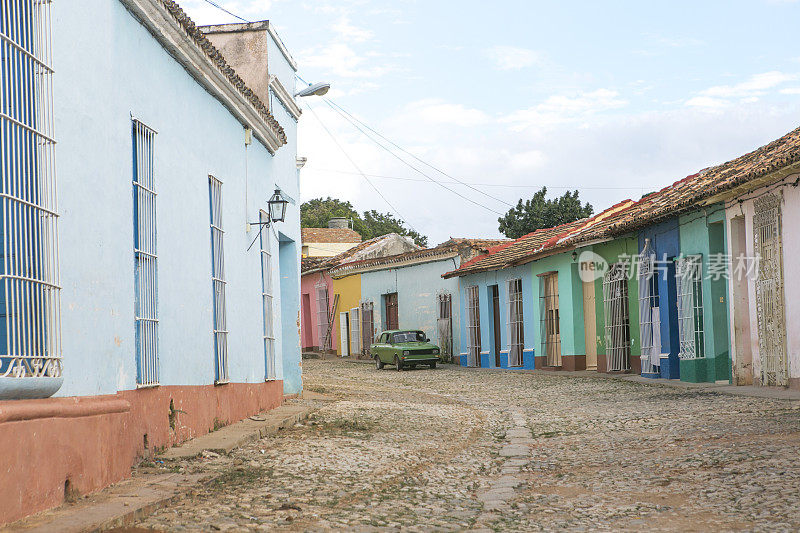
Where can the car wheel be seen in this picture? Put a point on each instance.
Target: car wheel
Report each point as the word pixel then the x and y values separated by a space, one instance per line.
pixel 398 364
pixel 378 363
pixel 433 365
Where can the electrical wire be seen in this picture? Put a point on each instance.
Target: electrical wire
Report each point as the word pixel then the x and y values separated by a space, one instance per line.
pixel 442 172
pixel 412 167
pixel 226 11
pixel 336 141
pixel 521 185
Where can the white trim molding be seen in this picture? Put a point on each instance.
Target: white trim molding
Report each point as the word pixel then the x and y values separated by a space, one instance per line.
pixel 216 79
pixel 285 98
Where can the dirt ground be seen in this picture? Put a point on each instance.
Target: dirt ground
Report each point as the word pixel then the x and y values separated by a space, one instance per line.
pixel 457 449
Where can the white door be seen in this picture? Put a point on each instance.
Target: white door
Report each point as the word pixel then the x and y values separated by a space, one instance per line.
pixel 343 344
pixel 355 332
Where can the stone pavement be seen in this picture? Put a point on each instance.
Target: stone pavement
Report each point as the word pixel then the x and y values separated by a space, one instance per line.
pixel 457 449
pixel 153 486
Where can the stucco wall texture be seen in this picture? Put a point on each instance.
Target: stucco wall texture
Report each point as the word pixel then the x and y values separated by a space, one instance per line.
pixel 417 287
pixel 197 137
pixel 790 213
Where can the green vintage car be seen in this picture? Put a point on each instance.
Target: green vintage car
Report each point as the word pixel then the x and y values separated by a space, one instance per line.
pixel 404 348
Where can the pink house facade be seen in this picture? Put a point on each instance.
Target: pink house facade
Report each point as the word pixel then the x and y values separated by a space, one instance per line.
pixel 316 308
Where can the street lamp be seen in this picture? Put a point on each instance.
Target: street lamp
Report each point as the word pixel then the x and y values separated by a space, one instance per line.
pixel 277 213
pixel 277 206
pixel 314 89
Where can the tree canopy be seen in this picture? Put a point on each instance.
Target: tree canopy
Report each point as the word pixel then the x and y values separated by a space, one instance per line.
pixel 539 212
pixel 317 212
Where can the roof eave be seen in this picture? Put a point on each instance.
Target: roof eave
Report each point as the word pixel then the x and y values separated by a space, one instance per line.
pixel 167 30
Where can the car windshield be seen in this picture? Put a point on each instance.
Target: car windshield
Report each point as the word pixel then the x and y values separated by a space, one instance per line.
pixel 408 336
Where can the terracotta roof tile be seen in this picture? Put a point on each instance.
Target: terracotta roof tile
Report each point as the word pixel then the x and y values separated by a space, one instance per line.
pixel 461 246
pixel 329 235
pixel 199 38
pixel 681 196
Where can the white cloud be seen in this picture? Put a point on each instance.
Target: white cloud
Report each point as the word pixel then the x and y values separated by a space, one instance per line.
pixel 561 108
pixel 755 86
pixel 350 33
pixel 512 57
pixel 707 102
pixel 790 90
pixel 340 59
pixel 436 111
pixel 748 91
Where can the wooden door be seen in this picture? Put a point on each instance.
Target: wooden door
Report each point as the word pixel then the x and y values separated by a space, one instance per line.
pixel 590 325
pixel 391 311
pixel 552 322
pixel 496 320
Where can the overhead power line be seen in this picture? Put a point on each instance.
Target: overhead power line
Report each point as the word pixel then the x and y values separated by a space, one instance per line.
pixel 234 15
pixel 508 185
pixel 415 169
pixel 361 172
pixel 440 171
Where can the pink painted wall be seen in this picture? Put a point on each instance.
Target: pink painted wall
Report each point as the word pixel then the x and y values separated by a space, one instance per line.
pixel 310 335
pixel 790 212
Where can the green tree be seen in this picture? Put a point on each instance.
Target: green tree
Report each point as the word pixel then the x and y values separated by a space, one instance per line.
pixel 539 212
pixel 317 212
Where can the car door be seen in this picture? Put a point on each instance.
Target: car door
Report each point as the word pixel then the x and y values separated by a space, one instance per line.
pixel 381 347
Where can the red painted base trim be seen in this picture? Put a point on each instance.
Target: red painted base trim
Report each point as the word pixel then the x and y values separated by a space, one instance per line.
pixel 573 362
pixel 92 442
pixel 602 365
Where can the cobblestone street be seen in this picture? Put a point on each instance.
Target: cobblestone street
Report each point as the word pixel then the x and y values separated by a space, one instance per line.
pixel 456 449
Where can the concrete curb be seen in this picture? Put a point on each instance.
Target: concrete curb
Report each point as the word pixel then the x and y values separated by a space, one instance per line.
pixel 125 503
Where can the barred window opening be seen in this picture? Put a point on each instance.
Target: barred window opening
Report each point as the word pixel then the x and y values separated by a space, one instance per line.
pixel 266 299
pixel 550 319
pixel 617 318
pixel 473 327
pixel 649 311
pixel 144 250
pixel 218 282
pixel 323 316
pixel 30 323
pixel 367 326
pixel 516 341
pixel 689 274
pixel 444 325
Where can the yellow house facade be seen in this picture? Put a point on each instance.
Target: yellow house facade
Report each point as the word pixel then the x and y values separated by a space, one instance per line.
pixel 348 290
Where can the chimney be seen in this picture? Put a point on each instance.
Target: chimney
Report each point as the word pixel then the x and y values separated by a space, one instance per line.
pixel 244 47
pixel 338 222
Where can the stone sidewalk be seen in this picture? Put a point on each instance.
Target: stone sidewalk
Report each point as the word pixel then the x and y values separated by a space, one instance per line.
pixel 149 489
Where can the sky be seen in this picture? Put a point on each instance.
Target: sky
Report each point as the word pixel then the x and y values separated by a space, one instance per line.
pixel 614 99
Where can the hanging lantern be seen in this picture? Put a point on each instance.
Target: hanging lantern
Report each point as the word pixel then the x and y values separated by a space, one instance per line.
pixel 277 207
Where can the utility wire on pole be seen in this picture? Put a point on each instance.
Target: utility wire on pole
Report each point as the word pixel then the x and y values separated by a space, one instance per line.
pixel 336 141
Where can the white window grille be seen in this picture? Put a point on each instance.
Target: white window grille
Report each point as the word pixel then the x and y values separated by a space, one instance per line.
pixel 649 311
pixel 473 327
pixel 30 322
pixel 323 317
pixel 516 340
pixel 550 319
pixel 367 326
pixel 689 274
pixel 266 298
pixel 617 318
pixel 145 257
pixel 218 282
pixel 355 332
pixel 444 325
pixel 768 245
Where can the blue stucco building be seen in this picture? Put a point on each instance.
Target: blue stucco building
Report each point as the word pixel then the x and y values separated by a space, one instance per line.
pixel 142 300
